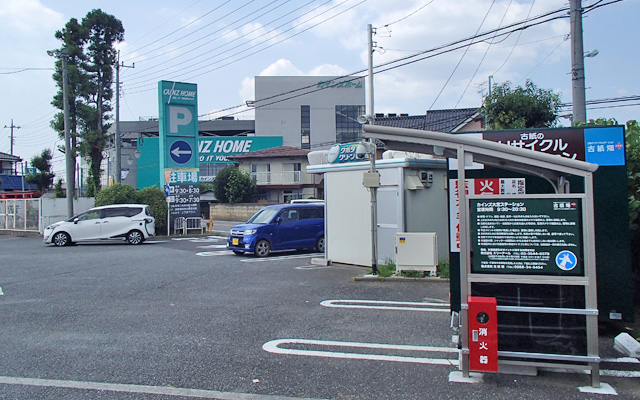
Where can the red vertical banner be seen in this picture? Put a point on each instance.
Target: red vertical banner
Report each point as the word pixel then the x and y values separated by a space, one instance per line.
pixel 483 334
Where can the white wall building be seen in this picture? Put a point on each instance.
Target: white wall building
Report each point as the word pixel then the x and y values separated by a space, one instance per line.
pixel 309 112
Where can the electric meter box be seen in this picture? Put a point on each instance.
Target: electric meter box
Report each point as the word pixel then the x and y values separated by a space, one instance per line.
pixel 417 251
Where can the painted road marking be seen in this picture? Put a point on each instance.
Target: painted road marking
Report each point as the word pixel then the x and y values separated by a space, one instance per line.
pixel 387 305
pixel 213 246
pixel 279 258
pixel 1 292
pixel 128 388
pixel 273 346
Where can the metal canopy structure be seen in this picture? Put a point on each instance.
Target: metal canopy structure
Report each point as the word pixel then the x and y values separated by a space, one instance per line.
pixel 552 168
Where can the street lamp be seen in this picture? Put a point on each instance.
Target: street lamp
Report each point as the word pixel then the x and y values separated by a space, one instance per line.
pixel 63 56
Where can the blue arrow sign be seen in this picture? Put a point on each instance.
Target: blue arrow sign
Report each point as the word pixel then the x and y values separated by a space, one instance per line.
pixel 167 190
pixel 180 152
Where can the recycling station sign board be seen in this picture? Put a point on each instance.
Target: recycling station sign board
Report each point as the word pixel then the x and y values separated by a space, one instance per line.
pixel 178 146
pixel 539 236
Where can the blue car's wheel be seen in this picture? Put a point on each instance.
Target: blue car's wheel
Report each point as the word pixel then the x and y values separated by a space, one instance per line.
pixel 320 245
pixel 263 248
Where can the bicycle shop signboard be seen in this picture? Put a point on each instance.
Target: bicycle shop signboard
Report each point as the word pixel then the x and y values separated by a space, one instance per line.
pixel 540 236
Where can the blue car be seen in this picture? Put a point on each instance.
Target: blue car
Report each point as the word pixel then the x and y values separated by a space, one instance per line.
pixel 280 227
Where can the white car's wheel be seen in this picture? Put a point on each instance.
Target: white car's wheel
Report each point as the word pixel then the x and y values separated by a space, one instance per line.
pixel 135 237
pixel 61 239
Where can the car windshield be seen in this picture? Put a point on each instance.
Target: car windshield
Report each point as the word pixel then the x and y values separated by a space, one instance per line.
pixel 263 216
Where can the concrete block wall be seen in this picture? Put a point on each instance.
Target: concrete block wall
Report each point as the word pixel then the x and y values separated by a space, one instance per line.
pixel 234 212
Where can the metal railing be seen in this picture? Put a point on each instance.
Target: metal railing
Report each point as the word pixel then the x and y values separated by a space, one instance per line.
pixel 186 225
pixel 277 178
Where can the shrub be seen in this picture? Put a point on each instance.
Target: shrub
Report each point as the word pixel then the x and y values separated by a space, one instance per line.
pixel 118 193
pixel 156 200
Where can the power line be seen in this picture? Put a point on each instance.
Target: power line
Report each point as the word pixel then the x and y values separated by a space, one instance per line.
pixel 461 58
pixel 177 30
pixel 484 55
pixel 254 46
pixel 182 61
pixel 409 15
pixel 442 49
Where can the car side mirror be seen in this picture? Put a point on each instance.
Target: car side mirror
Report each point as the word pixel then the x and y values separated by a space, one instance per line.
pixel 75 220
pixel 278 220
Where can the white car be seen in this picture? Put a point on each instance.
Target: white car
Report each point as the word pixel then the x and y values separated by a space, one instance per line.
pixel 132 222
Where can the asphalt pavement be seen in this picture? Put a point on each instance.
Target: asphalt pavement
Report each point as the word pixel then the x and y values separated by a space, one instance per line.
pixel 182 317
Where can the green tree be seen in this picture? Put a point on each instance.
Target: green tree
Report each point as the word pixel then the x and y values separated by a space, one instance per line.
pixel 220 184
pixel 91 58
pixel 59 191
pixel 519 108
pixel 240 187
pixel 43 179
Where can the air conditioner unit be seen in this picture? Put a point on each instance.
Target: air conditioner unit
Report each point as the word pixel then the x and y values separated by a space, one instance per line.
pixel 416 251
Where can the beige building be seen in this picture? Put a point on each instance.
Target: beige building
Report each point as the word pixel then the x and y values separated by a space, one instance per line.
pixel 280 174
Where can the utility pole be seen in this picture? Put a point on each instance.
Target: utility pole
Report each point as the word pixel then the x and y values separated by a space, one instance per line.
pixel 118 139
pixel 577 63
pixel 63 55
pixel 12 127
pixel 372 157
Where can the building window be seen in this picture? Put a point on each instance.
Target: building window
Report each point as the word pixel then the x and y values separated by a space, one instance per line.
pixel 348 129
pixel 208 171
pixel 305 127
pixel 291 195
pixel 261 173
pixel 291 172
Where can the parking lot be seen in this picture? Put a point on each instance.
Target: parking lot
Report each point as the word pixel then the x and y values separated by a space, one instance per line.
pixel 185 318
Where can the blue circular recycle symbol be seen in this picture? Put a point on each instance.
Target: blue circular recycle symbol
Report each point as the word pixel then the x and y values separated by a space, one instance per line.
pixel 180 152
pixel 566 260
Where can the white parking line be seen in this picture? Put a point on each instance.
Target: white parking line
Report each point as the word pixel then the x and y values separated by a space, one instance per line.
pixel 127 388
pixel 273 346
pixel 387 305
pixel 213 246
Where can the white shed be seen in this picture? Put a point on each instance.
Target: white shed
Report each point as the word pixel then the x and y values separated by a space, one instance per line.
pixel 412 197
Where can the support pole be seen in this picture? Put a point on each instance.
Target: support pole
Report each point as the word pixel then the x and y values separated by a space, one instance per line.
pixel 577 63
pixel 67 136
pixel 372 157
pixel 118 138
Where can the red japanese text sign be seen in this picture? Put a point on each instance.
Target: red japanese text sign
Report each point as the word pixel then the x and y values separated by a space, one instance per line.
pixel 483 334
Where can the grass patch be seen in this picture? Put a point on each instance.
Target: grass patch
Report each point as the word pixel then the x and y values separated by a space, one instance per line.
pixel 443 269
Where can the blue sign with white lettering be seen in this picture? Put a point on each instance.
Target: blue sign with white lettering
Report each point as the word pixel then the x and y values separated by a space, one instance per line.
pixel 180 152
pixel 604 146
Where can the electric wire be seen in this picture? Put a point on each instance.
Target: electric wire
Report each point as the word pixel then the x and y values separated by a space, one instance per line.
pixel 461 58
pixel 146 70
pixel 516 43
pixel 409 15
pixel 175 31
pixel 484 55
pixel 422 55
pixel 254 46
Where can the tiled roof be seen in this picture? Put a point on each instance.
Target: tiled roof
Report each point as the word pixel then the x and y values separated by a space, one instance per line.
pixel 9 157
pixel 282 151
pixel 434 120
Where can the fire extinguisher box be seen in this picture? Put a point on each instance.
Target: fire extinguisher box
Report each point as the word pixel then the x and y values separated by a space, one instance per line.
pixel 483 334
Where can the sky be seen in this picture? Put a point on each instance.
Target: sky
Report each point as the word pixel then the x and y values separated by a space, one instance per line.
pixel 221 45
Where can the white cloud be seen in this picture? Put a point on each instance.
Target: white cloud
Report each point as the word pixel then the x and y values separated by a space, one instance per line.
pixel 28 17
